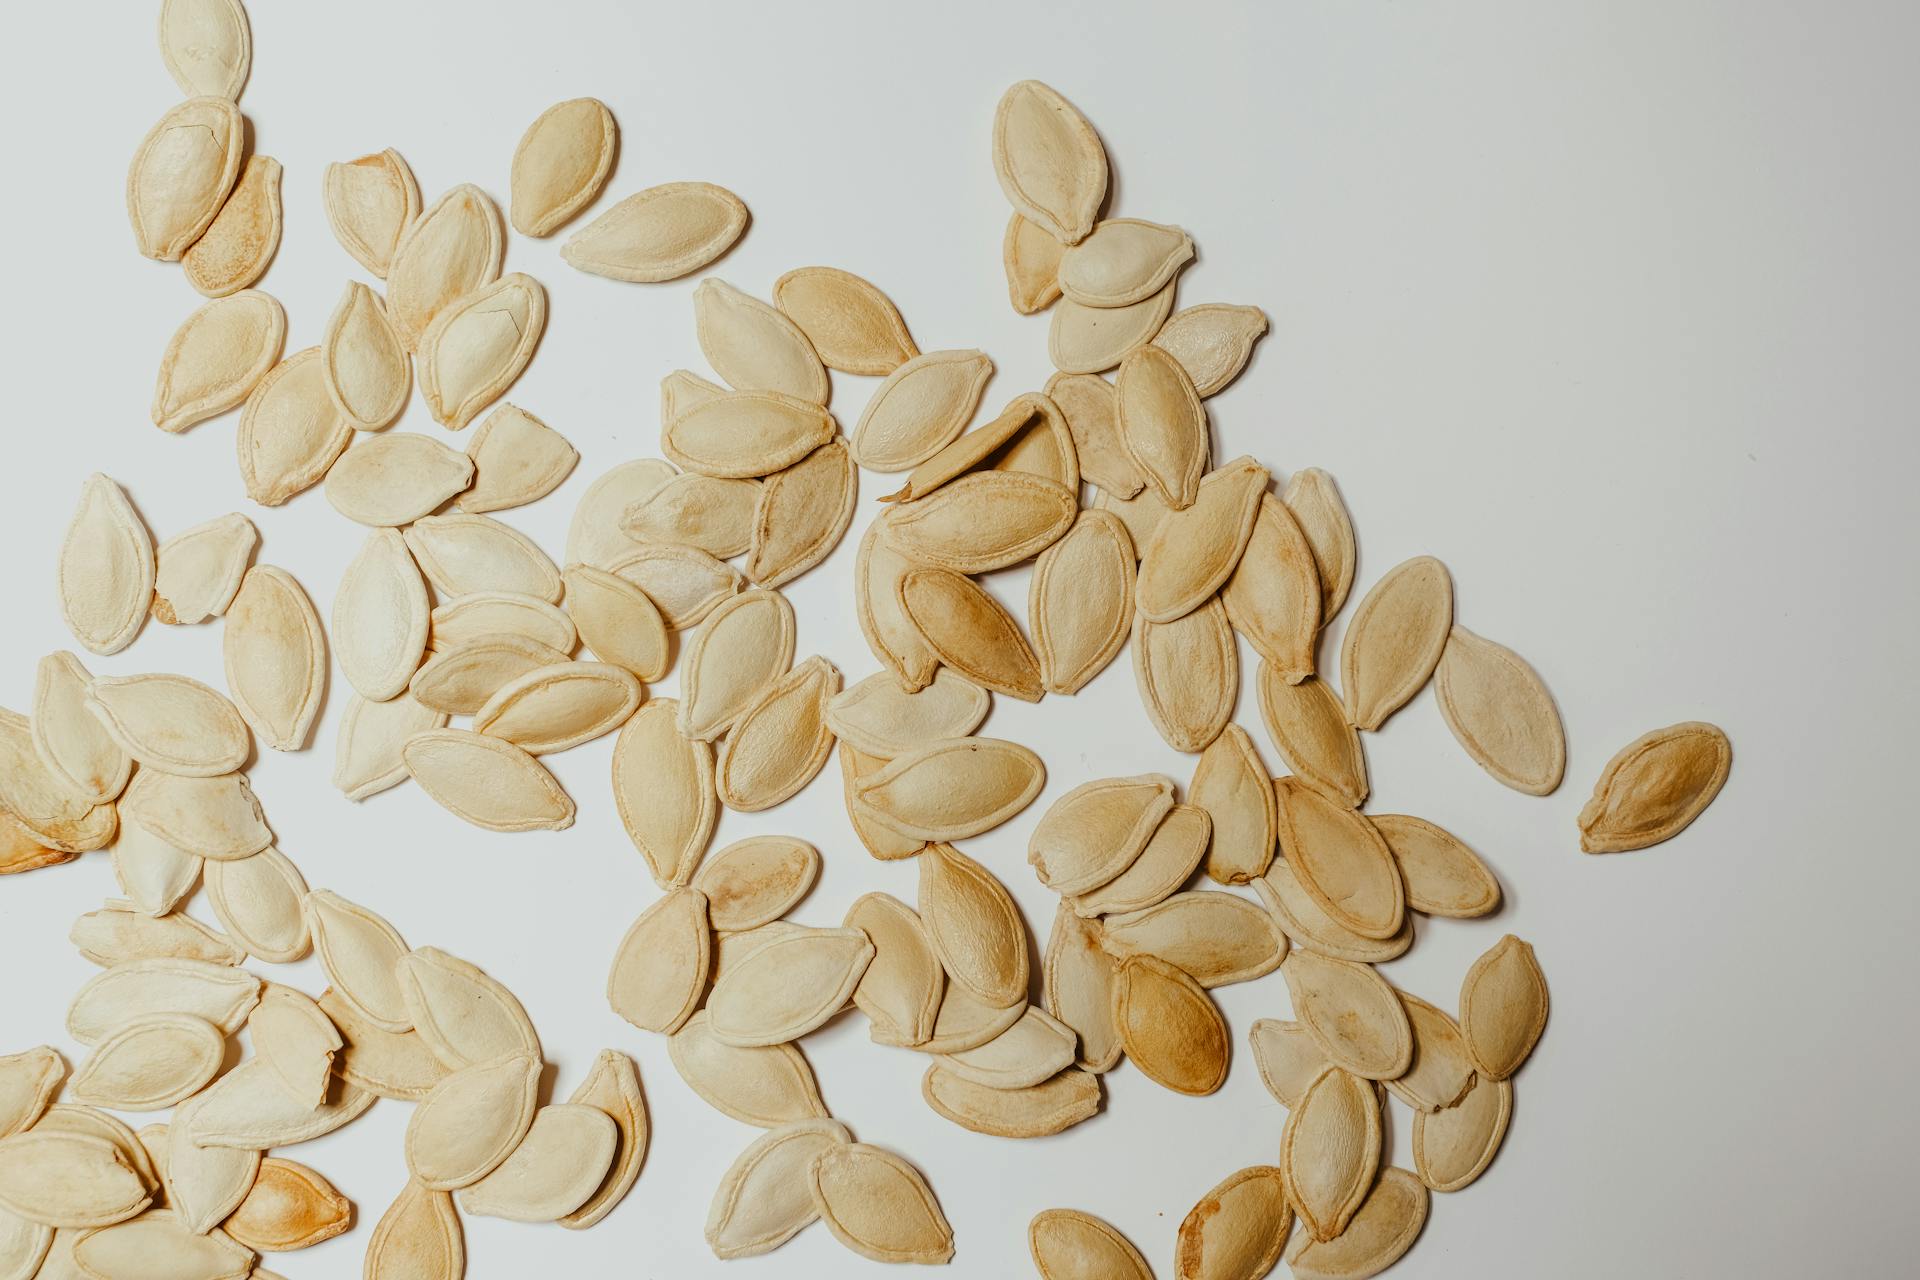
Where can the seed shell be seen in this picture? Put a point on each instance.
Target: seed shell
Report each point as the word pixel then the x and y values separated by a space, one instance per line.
pixel 661 233
pixel 1049 160
pixel 1309 727
pixel 922 406
pixel 552 1170
pixel 1442 1069
pixel 290 1207
pixel 1194 551
pixel 1215 938
pixel 1077 986
pixel 1032 1111
pixel 560 165
pixel 367 751
pixel 1123 261
pixel 1273 597
pixel 445 254
pixel 902 988
pixel 294 1037
pixel 746 433
pixel 1654 787
pixel 880 718
pixel 517 459
pixel 1169 859
pixel 974 926
pixel 241 240
pixel 1341 860
pixel 754 347
pixel 290 431
pixel 613 1086
pixel 1163 425
pixel 1395 640
pixel 465 1016
pixel 1443 876
pixel 1330 1151
pixel 1080 601
pixel 789 987
pixel 765 1200
pixel 800 514
pixel 380 617
pixel 660 970
pixel 1500 711
pixel 181 174
pixel 1031 257
pixel 698 511
pixel 1069 1245
pixel 981 522
pixel 105 568
pixel 150 1063
pixel 1233 786
pixel 764 1085
pixel 746 643
pixel 970 632
pixel 558 707
pixel 462 554
pixel 218 817
pixel 853 326
pixel 1288 1056
pixel 1454 1145
pixel 417 1238
pixel 952 788
pixel 1503 1008
pixel 370 202
pixel 1237 1230
pixel 1188 672
pixel 471 1122
pixel 197 572
pixel 258 900
pixel 360 953
pixel 1095 831
pixel 663 786
pixel 1307 924
pixel 1351 1012
pixel 367 370
pixel 487 781
pixel 76 749
pixel 250 1109
pixel 478 345
pixel 1170 1027
pixel 878 1205
pixel 207 46
pixel 1317 508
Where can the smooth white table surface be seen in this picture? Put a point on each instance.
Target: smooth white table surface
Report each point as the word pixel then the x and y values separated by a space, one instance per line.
pixel 1609 305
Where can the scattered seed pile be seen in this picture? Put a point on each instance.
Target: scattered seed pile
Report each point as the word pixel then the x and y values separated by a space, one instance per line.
pixel 457 614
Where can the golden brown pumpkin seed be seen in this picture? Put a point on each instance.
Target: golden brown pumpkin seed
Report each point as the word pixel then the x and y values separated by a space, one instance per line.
pixel 1080 601
pixel 613 1086
pixel 981 522
pixel 1308 925
pixel 1316 506
pixel 1443 876
pixel 1309 726
pixel 1188 672
pixel 1273 597
pixel 1654 787
pixel 766 1085
pixel 974 926
pixel 1288 1058
pixel 380 617
pixel 661 233
pixel 367 370
pixel 1395 640
pixel 789 987
pixel 1123 261
pixel 1237 1229
pixel 258 900
pixel 663 787
pixel 181 174
pixel 754 347
pixel 462 554
pixel 417 1238
pixel 1330 1151
pixel 1162 424
pixel 780 740
pixel 444 255
pixel 853 326
pixel 290 1207
pixel 1233 786
pixel 471 1122
pixel 241 240
pixel 1341 861
pixel 105 568
pixel 1033 1111
pixel 1194 551
pixel 1169 1026
pixel 290 431
pixel 698 511
pixel 1501 712
pixel 275 654
pixel 970 632
pixel 878 1205
pixel 561 163
pixel 370 202
pixel 1503 1007
pixel 660 969
pixel 559 707
pixel 1378 1235
pixel 1215 938
pixel 487 781
pixel 923 405
pixel 1442 1070
pixel 1031 257
pixel 1351 1012
pixel 1049 160
pixel 1077 985
pixel 1454 1145
pixel 198 571
pixel 765 1200
pixel 746 433
pixel 562 1160
pixel 517 459
pixel 1212 342
pixel 746 643
pixel 478 345
pixel 952 788
pixel 207 46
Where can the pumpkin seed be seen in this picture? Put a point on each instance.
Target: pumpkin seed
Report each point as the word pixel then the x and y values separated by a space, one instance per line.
pixel 1655 786
pixel 964 1022
pixel 367 756
pixel 1237 1230
pixel 380 617
pixel 1090 408
pixel 21 851
pixel 1049 160
pixel 1169 859
pixel 28 1082
pixel 370 202
pixel 487 781
pixel 361 954
pixel 105 568
pixel 1032 259
pixel 250 1109
pixel 1443 876
pixel 471 1122
pixel 1309 726
pixel 478 345
pixel 1378 1235
pixel 206 45
pixel 617 621
pixel 462 554
pixel 219 817
pixel 1163 427
pixel 91 1122
pixel 241 240
pixel 1330 1151
pixel 697 511
pixel 746 643
pixel 878 1205
pixel 924 404
pixel 1042 446
pixel 1233 786
pixel 40 808
pixel 1453 1145
pixel 970 632
pixel 290 1207
pixel 660 971
pixel 1214 938
pixel 613 1087
pixel 882 842
pixel 151 1062
pixel 974 926
pixel 789 987
pixel 1273 597
pixel 1315 503
pixel 596 535
pixel 1503 1008
pixel 1212 342
pixel 988 447
pixel 551 1172
pixel 1501 712
pixel 1069 1245
pixel 517 459
pixel 780 740
pixel 1033 1111
pixel 367 370
pixel 1080 601
pixel 754 347
pixel 852 326
pixel 561 163
pixel 903 985
pixel 663 786
pixel 461 680
pixel 746 433
pixel 181 174
pixel 442 256
pixel 171 723
pixel 1141 513
pixel 683 389
pixel 1169 1026
pixel 1341 860
pixel 1123 261
pixel 1288 1056
pixel 1352 1014
pixel 481 615
pixel 158 1240
pixel 895 641
pixel 417 1238
pixel 661 233
pixel 1094 832
pixel 952 788
pixel 23 1246
pixel 76 749
pixel 1194 551
pixel 757 880
pixel 557 707
pixel 878 717
pixel 801 514
pixel 297 1040
pixel 197 572
pixel 765 1199
pixel 257 900
pixel 275 656
pixel 1442 1070
pixel 1188 672
pixel 685 583
pixel 154 875
pixel 1395 639
pixel 1308 925
pixel 1095 339
pixel 116 934
pixel 981 522
pixel 764 1085
pixel 1032 1051
pixel 389 1064
pixel 290 431
pixel 465 1017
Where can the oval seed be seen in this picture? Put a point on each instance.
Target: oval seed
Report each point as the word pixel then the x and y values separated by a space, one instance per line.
pixel 77 749
pixel 367 371
pixel 883 842
pixel 661 233
pixel 487 781
pixel 105 568
pixel 135 1247
pixel 1342 862
pixel 517 459
pixel 1049 160
pixel 28 1082
pixel 1395 639
pixel 1654 787
pixel 1194 551
pixel 370 202
pixel 1233 786
pixel 1123 261
pixel 613 1087
pixel 1501 712
pixel 471 1122
pixel 878 1205
pixel 1163 425
pixel 699 511
pixel 197 572
pixel 1389 1221
pixel 258 901
pixel 1031 257
pixel 1077 986
pixel 982 521
pixel 1308 925
pixel 596 535
pixel 1091 411
pixel 852 326
pixel 1443 876
pixel 780 740
pixel 1316 506
pixel 1503 1007
pixel 800 514
pixel 1169 1026
pixel 902 987
pixel 275 654
pixel 444 255
pixel 480 614
pixel 553 1169
pixel 1309 726
pixel 764 1199
pixel 1351 1012
pixel 764 1085
pixel 1167 862
pixel 560 165
pixel 559 707
pixel 417 1238
pixel 974 926
pixel 746 433
pixel 361 953
pixel 747 642
pixel 921 407
pixel 1454 1145
pixel 462 554
pixel 789 987
pixel 754 347
pixel 290 1207
pixel 117 933
pixel 465 1016
pixel 171 723
pixel 663 787
pixel 460 680
pixel 1080 601
pixel 1032 1051
pixel 380 617
pixel 1288 1056
pixel 1035 1111
pixel 878 717
pixel 181 175
pixel 682 389
pixel 478 345
pixel 1188 672
pixel 1273 597
pixel 617 621
pixel 241 240
pixel 219 817
pixel 293 1037
pixel 39 808
pixel 151 1063
pixel 1442 1069
pixel 1330 1151
pixel 1069 1245
pixel 971 632
pixel 1214 938
pixel 894 640
pixel 952 788
pixel 661 967
pixel 207 46
pixel 290 431
pixel 1095 831
pixel 685 583
pixel 154 875
pixel 1237 1230
pixel 250 1108
pixel 1212 342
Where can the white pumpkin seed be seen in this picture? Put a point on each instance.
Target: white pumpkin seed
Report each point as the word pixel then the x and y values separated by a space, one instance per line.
pixel 971 632
pixel 217 817
pixel 1049 160
pixel 487 781
pixel 291 431
pixel 442 256
pixel 462 554
pixel 789 987
pixel 517 459
pixel 754 347
pixel 105 568
pixel 471 1122
pixel 1395 640
pixel 1341 861
pixel 1443 876
pixel 923 405
pixel 1031 257
pixel 1170 1027
pixel 765 1199
pixel 1095 831
pixel 1454 1145
pixel 241 240
pixel 387 1064
pixel 1188 673
pixel 1273 597
pixel 852 326
pixel 1655 786
pixel 380 617
pixel 181 174
pixel 360 952
pixel 617 621
pixel 1233 786
pixel 117 933
pixel 75 748
pixel 370 202
pixel 465 1016
pixel 685 583
pixel 258 901
pixel 275 656
pixel 1162 425
pixel 561 163
pixel 981 522
pixel 880 718
pixel 551 1172
pixel 697 511
pixel 745 433
pixel 992 447
pixel 28 1082
pixel 1080 601
pixel 1123 261
pixel 197 572
pixel 1069 1245
pixel 297 1041
pixel 204 1185
pixel 1309 726
pixel 1035 1111
pixel 478 345
pixel 1316 506
pixel 660 970
pixel 661 233
pixel 663 786
pixel 1212 342
pixel 561 706
pixel 1237 1229
pixel 974 926
pixel 41 808
pixel 902 987
pixel 171 723
pixel 1351 1012
pixel 483 614
pixel 1095 339
pixel 1501 712
pixel 157 1243
pixel 613 1086
pixel 1503 1008
pixel 216 993
pixel 367 370
pixel 878 1205
pixel 780 740
pixel 1288 1056
pixel 156 876
pixel 747 642
pixel 23 1246
pixel 952 788
pixel 764 1085
pixel 417 1238
pixel 207 46
pixel 1330 1151
pixel 801 514
pixel 150 1063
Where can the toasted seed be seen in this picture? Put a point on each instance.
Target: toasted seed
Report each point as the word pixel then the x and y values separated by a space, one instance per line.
pixel 902 987
pixel 151 1062
pixel 462 554
pixel 275 657
pixel 257 900
pixel 1654 787
pixel 562 1160
pixel 471 1122
pixel 800 514
pixel 1093 833
pixel 446 254
pixel 417 1238
pixel 478 345
pixel 290 1207
pixel 21 850
pixel 1169 1026
pixel 1443 876
pixel 116 934
pixel 370 202
pixel 367 757
pixel 204 1184
pixel 1050 1106
pixel 462 679
pixel 981 522
pixel 1163 427
pixel 40 807
pixel 557 707
pixel 754 347
pixel 789 987
pixel 388 1064
pixel 1351 1012
pixel 1093 339
pixel 105 568
pixel 1233 786
pixel 1194 551
pixel 1288 1058
pixel 181 174
pixel 241 240
pixel 991 447
pixel 367 370
pixel 561 163
pixel 952 788
pixel 1167 861
pixel 291 431
pixel 1080 601
pixel 1308 925
pixel 1214 938
pixel 1188 672
pixel 380 617
pixel 1341 860
pixel 1077 982
pixel 217 817
pixel 249 1108
pixel 517 459
pixel 660 970
pixel 1212 342
pixel 76 749
pixel 1141 513
pixel 1503 1007
pixel 1069 1245
pixel 923 405
pixel 482 615
pixel 1032 259
pixel 612 1087
pixel 1238 1228
pixel 360 953
pixel 197 572
pixel 746 433
pixel 156 876
pixel 1330 1151
pixel 754 881
pixel 1032 1051
pixel 663 786
pixel 746 643
pixel 1314 501
pixel 878 1205
pixel 765 1199
pixel 1049 160
pixel 206 45
pixel 1395 639
pixel 487 781
pixel 1090 408
pixel 1501 712
pixel 465 1016
pixel 157 1242
pixel 1123 261
pixel 1382 1231
pixel 894 640
pixel 970 632
pixel 294 1037
pixel 1273 597
pixel 974 926
pixel 661 233
pixel 712 514
pixel 1309 726
pixel 1453 1145
pixel 1442 1070
pixel 852 326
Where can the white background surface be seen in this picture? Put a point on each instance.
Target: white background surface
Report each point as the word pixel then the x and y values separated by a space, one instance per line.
pixel 1609 305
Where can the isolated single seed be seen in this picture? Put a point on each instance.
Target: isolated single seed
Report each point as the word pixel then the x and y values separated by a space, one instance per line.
pixel 1307 723
pixel 275 654
pixel 1049 160
pixel 1503 1008
pixel 617 621
pixel 1031 257
pixel 197 572
pixel 788 987
pixel 105 568
pixel 1654 787
pixel 1188 673
pixel 128 1249
pixel 878 1205
pixel 561 163
pixel 370 202
pixel 1237 1230
pixel 181 174
pixel 206 45
pixel 974 926
pixel 1080 601
pixel 241 240
pixel 1330 1151
pixel 445 254
pixel 1501 712
pixel 117 933
pixel 150 1063
pixel 853 326
pixel 290 431
pixel 661 233
pixel 1395 640
pixel 367 370
pixel 878 717
pixel 517 459
pixel 1342 861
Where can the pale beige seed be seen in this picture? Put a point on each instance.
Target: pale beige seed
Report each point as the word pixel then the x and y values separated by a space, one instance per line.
pixel 1094 339
pixel 1288 1057
pixel 219 818
pixel 1095 831
pixel 1162 425
pixel 158 1243
pixel 613 1086
pixel 682 389
pixel 661 233
pixel 478 614
pixel 181 174
pixel 1080 601
pixel 1123 261
pixel 974 926
pixel 1309 726
pixel 1033 1111
pixel 460 680
pixel 487 781
pixel 878 1205
pixel 1091 410
pixel 801 513
pixel 294 1037
pixel 754 347
pixel 981 522
pixel 1501 712
pixel 290 431
pixel 780 740
pixel 249 1109
pixel 559 707
pixel 693 510
pixel 465 1016
pixel 77 749
pixel 1069 1245
pixel 685 583
pixel 417 1238
pixel 1503 1007
pixel 241 240
pixel 471 1122
pixel 204 1185
pixel 1341 860
pixel 1188 673
pixel 1049 160
pixel 964 1022
pixel 1654 787
pixel 1215 938
pixel 1237 1230
pixel 388 1064
pixel 1351 1012
pixel 970 632
pixel 1395 640
pixel 1212 342
pixel 852 326
pixel 290 1207
pixel 1170 857
pixel 443 255
pixel 663 787
pixel 105 568
pixel 1031 257
pixel 207 46
pixel 1317 508
pixel 560 165
pixel 360 953
pixel 197 571
pixel 596 535
pixel 1453 1145
pixel 1388 1223
pixel 1273 597
pixel 171 723
pixel 894 640
pixel 367 750
pixel 747 642
pixel 764 1085
pixel 1330 1151
pixel 258 901
pixel 1141 513
pixel 380 617
pixel 462 554
pixel 275 654
pixel 923 405
pixel 1308 925
pixel 562 1160
pixel 370 202
pixel 789 987
pixel 1442 1069
pixel 478 345
pixel 1042 446
pixel 1170 1027
pixel 517 459
pixel 21 850
pixel 765 1199
pixel 660 969
pixel 155 875
pixel 903 985
pixel 79 1120
pixel 1233 786
pixel 40 808
pixel 881 841
pixel 991 448
pixel 367 370
pixel 746 433
pixel 617 621
pixel 1032 1051
pixel 116 934
pixel 952 788
pixel 1443 876
pixel 23 1246
pixel 150 1063
pixel 879 717
pixel 1194 551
